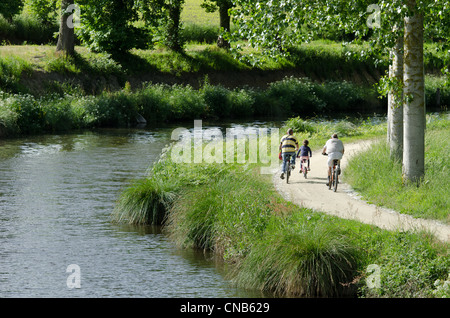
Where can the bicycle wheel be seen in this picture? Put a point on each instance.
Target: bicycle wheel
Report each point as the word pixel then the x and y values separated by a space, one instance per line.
pixel 288 171
pixel 330 181
pixel 336 179
pixel 305 171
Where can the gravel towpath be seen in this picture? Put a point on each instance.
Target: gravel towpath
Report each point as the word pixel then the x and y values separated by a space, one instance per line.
pixel 345 203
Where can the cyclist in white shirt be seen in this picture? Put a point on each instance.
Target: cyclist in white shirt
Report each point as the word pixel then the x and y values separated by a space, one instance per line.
pixel 335 150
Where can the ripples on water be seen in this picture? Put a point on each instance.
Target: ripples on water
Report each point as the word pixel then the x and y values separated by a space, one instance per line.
pixel 56 196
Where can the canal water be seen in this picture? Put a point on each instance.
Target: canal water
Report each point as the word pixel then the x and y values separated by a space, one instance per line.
pixel 57 193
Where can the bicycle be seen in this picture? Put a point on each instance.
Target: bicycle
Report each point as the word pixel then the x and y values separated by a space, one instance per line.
pixel 303 166
pixel 335 172
pixel 288 167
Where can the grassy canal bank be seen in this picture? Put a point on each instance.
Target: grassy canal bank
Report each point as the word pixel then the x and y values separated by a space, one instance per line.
pixel 43 92
pixel 277 247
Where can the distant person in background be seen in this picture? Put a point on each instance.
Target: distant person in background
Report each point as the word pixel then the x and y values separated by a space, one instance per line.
pixel 335 150
pixel 288 148
pixel 304 153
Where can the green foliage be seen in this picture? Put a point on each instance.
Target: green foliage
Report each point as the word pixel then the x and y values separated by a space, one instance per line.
pixel 107 26
pixel 163 19
pixel 234 214
pixel 45 10
pixel 305 97
pixel 9 8
pixel 168 103
pixel 409 266
pixel 217 99
pixel 145 201
pixel 296 96
pixel 298 22
pixel 25 28
pixel 27 111
pixel 11 70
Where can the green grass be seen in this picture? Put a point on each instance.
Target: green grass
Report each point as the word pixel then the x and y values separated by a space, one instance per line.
pixel 379 179
pixel 194 14
pixel 275 246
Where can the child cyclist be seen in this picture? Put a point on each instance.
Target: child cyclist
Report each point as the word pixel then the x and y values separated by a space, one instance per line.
pixel 304 153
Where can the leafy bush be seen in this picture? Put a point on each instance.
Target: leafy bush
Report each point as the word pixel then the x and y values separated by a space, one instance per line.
pixel 295 96
pixel 343 96
pixel 27 28
pixel 58 115
pixel 409 267
pixel 107 26
pixel 217 100
pixel 433 85
pixel 28 112
pixel 242 103
pixel 112 110
pixel 185 103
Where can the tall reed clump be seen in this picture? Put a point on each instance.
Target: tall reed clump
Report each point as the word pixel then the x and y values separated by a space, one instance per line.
pixel 146 201
pixel 224 214
pixel 299 261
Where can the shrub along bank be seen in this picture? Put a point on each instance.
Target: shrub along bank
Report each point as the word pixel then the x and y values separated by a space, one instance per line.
pixel 26 114
pixel 275 246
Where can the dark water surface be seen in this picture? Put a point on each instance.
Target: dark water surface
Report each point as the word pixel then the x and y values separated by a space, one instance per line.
pixel 56 197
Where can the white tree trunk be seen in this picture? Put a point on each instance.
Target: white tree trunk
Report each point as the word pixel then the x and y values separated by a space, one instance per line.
pixel 395 103
pixel 414 98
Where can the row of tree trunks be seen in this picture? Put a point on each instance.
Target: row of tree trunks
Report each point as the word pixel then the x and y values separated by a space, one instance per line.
pixel 406 109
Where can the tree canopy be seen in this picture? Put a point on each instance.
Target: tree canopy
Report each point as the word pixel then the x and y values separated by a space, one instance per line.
pixel 9 8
